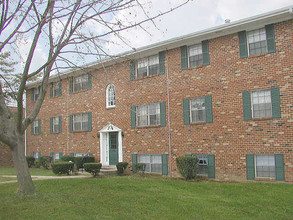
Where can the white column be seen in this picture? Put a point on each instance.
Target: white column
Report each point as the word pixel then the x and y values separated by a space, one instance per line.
pixel 120 156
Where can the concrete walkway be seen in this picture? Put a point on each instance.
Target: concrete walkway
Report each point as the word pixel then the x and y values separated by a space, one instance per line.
pixel 83 175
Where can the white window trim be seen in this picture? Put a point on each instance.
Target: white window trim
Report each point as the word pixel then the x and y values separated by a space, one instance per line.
pixel 190 114
pixel 107 96
pixel 80 122
pixel 251 102
pixel 53 85
pixel 36 91
pixel 74 84
pixel 153 163
pixel 255 172
pixel 188 54
pixel 36 127
pixel 53 127
pixel 148 122
pixel 148 72
pixel 247 42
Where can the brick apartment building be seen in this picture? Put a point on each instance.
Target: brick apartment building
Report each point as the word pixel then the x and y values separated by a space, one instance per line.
pixel 223 95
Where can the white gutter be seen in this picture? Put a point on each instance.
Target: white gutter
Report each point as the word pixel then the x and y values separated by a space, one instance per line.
pixel 255 22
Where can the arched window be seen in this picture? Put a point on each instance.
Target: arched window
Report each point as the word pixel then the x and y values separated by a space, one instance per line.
pixel 110 96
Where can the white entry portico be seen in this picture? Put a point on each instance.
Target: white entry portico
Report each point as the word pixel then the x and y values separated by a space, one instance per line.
pixel 104 143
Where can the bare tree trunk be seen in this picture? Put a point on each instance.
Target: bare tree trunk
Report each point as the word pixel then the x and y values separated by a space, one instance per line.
pixel 26 186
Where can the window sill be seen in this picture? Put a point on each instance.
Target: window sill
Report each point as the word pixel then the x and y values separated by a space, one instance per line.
pixel 152 126
pixel 55 96
pixel 256 55
pixel 198 123
pixel 55 132
pixel 80 131
pixel 195 67
pixel 146 77
pixel 79 91
pixel 111 107
pixel 262 119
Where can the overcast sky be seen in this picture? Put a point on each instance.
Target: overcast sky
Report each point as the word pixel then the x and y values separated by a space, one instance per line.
pixel 195 16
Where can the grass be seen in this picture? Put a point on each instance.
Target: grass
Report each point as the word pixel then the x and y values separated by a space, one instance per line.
pixel 33 171
pixel 134 197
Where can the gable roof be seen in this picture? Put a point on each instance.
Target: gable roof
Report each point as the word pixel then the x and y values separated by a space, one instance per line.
pixel 250 23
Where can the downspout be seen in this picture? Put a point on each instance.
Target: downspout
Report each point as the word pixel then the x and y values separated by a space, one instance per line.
pixel 169 116
pixel 25 142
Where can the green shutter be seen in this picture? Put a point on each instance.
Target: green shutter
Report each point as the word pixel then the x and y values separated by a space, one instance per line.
pixel 209 109
pixel 71 123
pixel 186 111
pixel 89 121
pixel 250 169
pixel 71 154
pixel 60 89
pixel 60 124
pixel 132 116
pixel 51 125
pixel 51 90
pixel 71 85
pixel 276 102
pixel 132 70
pixel 32 95
pixel 164 164
pixel 134 161
pixel 279 163
pixel 188 155
pixel 32 128
pixel 243 44
pixel 246 99
pixel 184 58
pixel 205 53
pixel 89 82
pixel 211 166
pixel 60 155
pixel 270 38
pixel 91 154
pixel 39 126
pixel 163 113
pixel 162 62
pixel 39 155
pixel 52 155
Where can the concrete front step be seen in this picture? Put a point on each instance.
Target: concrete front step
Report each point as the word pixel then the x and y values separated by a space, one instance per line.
pixel 108 171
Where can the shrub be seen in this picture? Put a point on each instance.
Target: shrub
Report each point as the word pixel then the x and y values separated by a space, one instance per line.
pixel 93 168
pixel 187 167
pixel 121 167
pixel 30 161
pixel 140 167
pixel 79 161
pixel 37 164
pixel 62 167
pixel 45 161
pixel 68 158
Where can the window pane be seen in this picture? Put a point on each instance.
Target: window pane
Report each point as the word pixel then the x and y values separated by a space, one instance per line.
pixel 197 110
pixel 262 106
pixel 265 166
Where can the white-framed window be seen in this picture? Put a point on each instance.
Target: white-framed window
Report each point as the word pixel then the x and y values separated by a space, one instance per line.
pixel 80 122
pixel 195 57
pixel 55 125
pixel 80 83
pixel 257 42
pixel 55 156
pixel 197 110
pixel 147 66
pixel 81 154
pixel 261 104
pixel 36 127
pixel 56 86
pixel 110 96
pixel 153 162
pixel 35 93
pixel 36 155
pixel 265 166
pixel 202 165
pixel 147 115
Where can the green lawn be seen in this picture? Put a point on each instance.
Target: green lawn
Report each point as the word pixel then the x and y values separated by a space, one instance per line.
pixel 133 197
pixel 33 171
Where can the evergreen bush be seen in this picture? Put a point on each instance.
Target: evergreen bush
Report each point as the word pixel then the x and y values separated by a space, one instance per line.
pixel 187 167
pixel 93 168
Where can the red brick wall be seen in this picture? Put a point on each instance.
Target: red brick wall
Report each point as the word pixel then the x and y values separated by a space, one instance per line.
pixel 229 137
